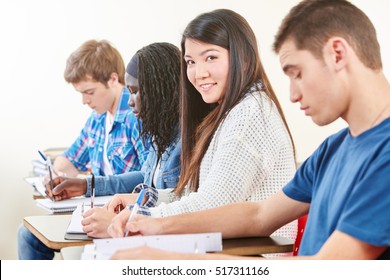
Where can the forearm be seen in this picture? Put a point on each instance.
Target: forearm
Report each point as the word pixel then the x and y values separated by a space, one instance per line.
pixel 112 184
pixel 63 165
pixel 234 220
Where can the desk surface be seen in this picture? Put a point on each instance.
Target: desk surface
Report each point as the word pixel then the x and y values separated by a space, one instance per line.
pixel 51 230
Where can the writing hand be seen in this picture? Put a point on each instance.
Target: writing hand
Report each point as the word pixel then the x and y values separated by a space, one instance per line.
pixel 65 187
pixel 96 222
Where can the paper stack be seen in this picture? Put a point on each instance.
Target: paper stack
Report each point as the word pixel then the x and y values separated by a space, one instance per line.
pixel 103 249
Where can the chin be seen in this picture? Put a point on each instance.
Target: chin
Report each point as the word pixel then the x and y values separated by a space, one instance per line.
pixel 322 122
pixel 209 100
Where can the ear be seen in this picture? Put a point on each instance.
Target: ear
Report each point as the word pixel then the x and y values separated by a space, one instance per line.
pixel 114 80
pixel 338 51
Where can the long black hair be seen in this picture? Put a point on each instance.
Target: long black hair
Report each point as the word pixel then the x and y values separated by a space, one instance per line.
pixel 159 86
pixel 229 30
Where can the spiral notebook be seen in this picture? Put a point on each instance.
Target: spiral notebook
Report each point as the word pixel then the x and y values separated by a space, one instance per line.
pixel 75 228
pixel 69 205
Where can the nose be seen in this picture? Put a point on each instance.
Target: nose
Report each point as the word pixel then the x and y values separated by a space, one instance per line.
pixel 295 95
pixel 201 71
pixel 85 99
pixel 131 100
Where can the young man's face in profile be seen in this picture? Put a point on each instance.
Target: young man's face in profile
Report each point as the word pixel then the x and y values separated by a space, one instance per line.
pixel 314 83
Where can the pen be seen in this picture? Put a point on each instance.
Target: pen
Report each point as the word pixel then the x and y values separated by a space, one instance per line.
pixel 135 208
pixel 51 178
pixel 48 163
pixel 92 190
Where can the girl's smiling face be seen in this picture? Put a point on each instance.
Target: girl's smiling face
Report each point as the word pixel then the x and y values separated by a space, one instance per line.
pixel 207 69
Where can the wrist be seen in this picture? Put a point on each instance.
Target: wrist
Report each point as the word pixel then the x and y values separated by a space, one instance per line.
pixel 85 185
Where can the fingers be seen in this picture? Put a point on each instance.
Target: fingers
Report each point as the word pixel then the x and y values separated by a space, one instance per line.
pixel 89 212
pixel 115 205
pixel 69 187
pixel 60 184
pixel 116 229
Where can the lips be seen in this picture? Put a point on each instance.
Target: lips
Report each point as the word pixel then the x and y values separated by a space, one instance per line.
pixel 207 87
pixel 305 108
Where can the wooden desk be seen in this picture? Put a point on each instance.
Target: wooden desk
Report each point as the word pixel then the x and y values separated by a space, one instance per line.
pixel 239 246
pixel 51 230
pixel 37 195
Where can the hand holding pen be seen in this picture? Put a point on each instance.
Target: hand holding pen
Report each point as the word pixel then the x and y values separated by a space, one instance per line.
pixel 50 168
pixel 135 208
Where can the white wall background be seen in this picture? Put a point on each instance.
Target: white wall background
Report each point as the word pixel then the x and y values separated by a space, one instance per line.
pixel 40 110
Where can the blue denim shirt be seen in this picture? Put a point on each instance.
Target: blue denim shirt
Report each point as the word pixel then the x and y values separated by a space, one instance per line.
pixel 168 176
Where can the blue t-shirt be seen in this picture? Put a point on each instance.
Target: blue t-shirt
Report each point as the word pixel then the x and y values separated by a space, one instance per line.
pixel 346 180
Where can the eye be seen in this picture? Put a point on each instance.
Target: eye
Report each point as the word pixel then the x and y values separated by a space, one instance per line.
pixel 190 62
pixel 210 58
pixel 132 90
pixel 297 76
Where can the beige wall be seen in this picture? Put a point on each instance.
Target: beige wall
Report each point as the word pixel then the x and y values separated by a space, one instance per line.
pixel 39 110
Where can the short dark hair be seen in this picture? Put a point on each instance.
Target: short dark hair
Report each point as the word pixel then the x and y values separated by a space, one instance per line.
pixel 311 23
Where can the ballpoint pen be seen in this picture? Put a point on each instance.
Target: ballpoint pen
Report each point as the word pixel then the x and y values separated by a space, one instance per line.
pixel 92 190
pixel 135 208
pixel 48 162
pixel 49 167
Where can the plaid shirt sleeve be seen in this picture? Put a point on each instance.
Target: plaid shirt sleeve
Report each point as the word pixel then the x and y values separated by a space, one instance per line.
pixel 152 195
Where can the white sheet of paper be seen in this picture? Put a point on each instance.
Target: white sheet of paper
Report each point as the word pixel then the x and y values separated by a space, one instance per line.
pixel 75 225
pixel 69 205
pixel 37 182
pixel 182 243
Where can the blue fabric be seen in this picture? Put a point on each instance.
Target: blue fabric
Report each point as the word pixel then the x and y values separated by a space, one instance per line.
pixel 125 149
pixel 168 176
pixel 30 248
pixel 346 180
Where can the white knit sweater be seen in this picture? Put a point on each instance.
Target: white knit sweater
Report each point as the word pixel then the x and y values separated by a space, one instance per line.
pixel 250 158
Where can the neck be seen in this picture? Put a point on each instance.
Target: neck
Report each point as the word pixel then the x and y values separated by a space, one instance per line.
pixel 370 104
pixel 117 96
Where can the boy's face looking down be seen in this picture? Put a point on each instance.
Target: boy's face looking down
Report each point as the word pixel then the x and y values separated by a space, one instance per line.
pixel 317 84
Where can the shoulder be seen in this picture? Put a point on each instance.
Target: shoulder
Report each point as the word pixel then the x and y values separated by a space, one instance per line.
pixel 129 119
pixel 94 119
pixel 255 111
pixel 255 103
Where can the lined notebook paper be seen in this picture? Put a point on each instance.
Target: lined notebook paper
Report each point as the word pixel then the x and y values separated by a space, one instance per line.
pixel 183 243
pixel 69 205
pixel 75 228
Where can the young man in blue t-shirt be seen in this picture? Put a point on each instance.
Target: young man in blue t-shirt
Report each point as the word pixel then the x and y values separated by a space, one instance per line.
pixel 330 53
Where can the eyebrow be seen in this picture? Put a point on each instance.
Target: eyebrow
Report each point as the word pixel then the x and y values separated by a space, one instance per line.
pixel 287 68
pixel 205 51
pixel 88 90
